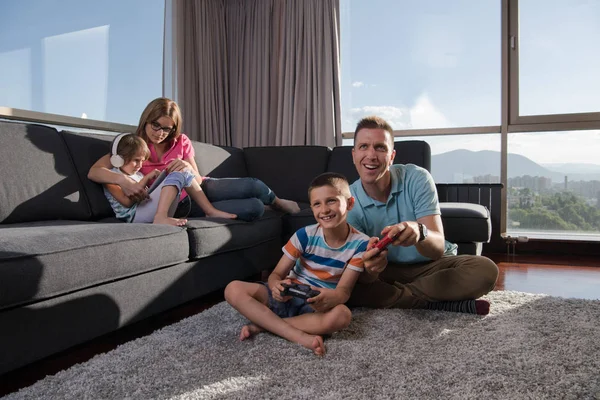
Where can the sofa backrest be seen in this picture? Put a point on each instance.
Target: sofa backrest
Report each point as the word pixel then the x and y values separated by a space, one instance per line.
pixel 415 152
pixel 287 170
pixel 39 181
pixel 220 161
pixel 86 149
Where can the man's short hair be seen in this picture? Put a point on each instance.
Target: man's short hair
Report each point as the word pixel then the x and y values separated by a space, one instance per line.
pixel 374 122
pixel 333 179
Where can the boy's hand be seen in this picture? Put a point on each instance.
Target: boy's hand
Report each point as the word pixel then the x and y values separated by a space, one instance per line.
pixel 277 288
pixel 132 189
pixel 154 174
pixel 326 300
pixel 375 260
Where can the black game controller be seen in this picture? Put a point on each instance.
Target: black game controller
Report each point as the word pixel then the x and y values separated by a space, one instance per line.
pixel 298 290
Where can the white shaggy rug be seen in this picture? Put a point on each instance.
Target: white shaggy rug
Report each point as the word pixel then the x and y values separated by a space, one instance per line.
pixel 529 347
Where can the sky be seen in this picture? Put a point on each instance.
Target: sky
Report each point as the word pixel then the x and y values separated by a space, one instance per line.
pixel 75 57
pixel 436 64
pixel 419 64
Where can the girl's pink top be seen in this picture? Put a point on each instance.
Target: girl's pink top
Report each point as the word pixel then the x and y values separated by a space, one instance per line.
pixel 181 149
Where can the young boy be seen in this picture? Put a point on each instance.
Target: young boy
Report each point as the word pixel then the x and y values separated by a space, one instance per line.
pixel 327 256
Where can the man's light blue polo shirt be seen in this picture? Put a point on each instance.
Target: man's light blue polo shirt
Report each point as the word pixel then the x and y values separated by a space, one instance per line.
pixel 413 196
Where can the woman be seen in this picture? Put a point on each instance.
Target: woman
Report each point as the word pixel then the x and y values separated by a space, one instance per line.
pixel 171 150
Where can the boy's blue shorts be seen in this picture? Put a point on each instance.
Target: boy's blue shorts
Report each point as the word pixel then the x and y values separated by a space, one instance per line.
pixel 291 308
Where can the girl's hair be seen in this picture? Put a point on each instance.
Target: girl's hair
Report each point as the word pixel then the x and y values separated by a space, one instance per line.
pixel 132 145
pixel 161 107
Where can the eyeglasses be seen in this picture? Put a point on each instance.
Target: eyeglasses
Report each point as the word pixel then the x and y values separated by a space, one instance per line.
pixel 166 129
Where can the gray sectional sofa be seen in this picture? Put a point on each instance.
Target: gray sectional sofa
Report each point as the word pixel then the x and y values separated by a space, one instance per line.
pixel 70 272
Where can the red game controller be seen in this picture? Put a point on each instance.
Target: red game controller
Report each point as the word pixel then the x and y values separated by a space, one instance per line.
pixel 385 242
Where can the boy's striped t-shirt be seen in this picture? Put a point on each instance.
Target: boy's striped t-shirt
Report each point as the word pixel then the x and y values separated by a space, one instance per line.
pixel 319 265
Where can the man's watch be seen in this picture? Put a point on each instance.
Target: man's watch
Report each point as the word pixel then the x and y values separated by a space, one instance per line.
pixel 422 232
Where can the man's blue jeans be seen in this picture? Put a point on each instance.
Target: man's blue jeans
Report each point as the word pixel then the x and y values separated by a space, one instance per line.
pixel 245 197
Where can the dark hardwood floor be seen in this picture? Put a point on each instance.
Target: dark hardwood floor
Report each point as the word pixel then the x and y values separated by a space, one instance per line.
pixel 566 276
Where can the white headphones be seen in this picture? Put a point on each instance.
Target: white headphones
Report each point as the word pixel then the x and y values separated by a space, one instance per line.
pixel 116 160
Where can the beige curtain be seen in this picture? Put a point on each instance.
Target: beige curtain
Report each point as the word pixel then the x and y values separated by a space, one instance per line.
pixel 195 40
pixel 256 72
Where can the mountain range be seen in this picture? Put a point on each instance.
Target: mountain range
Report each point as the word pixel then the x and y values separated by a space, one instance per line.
pixel 456 165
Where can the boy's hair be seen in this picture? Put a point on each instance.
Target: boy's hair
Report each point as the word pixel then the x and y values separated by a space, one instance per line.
pixel 333 179
pixel 131 145
pixel 160 107
pixel 374 122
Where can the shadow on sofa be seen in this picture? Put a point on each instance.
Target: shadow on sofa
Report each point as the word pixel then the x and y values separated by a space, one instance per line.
pixel 69 271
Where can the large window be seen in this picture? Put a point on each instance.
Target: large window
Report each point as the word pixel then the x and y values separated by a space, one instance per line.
pixel 100 60
pixel 524 72
pixel 554 189
pixel 421 64
pixel 558 57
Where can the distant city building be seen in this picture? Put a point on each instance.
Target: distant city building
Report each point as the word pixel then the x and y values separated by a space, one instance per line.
pixel 535 183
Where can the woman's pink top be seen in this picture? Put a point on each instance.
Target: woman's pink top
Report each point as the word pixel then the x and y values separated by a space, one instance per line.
pixel 181 149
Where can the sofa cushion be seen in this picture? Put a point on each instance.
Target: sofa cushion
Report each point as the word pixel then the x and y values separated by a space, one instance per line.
pixel 340 161
pixel 38 178
pixel 466 222
pixel 209 236
pixel 287 170
pixel 39 260
pixel 220 161
pixel 85 150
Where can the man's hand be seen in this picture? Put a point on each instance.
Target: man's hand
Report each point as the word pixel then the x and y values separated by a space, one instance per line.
pixel 407 233
pixel 326 300
pixel 179 166
pixel 277 288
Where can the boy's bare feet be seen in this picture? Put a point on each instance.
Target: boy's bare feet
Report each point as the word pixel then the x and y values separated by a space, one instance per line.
pixel 314 343
pixel 169 221
pixel 287 206
pixel 220 214
pixel 249 330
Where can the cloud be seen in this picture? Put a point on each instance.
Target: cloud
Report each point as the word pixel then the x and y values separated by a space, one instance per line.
pixel 422 115
pixel 357 84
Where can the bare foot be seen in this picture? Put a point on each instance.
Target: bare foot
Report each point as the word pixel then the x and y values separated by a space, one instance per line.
pixel 221 214
pixel 249 330
pixel 314 343
pixel 169 221
pixel 287 206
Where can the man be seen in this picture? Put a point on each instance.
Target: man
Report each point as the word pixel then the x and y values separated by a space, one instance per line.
pixel 420 269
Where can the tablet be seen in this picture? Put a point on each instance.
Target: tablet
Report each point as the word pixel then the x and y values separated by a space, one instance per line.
pixel 158 181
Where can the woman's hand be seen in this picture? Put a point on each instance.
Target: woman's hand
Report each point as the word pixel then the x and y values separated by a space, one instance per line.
pixel 326 300
pixel 179 166
pixel 277 288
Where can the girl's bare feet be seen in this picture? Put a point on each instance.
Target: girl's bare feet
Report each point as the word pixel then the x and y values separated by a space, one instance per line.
pixel 249 330
pixel 220 214
pixel 314 343
pixel 287 206
pixel 169 221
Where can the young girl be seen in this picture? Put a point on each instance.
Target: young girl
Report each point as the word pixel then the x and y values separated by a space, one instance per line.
pixel 171 150
pixel 129 152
